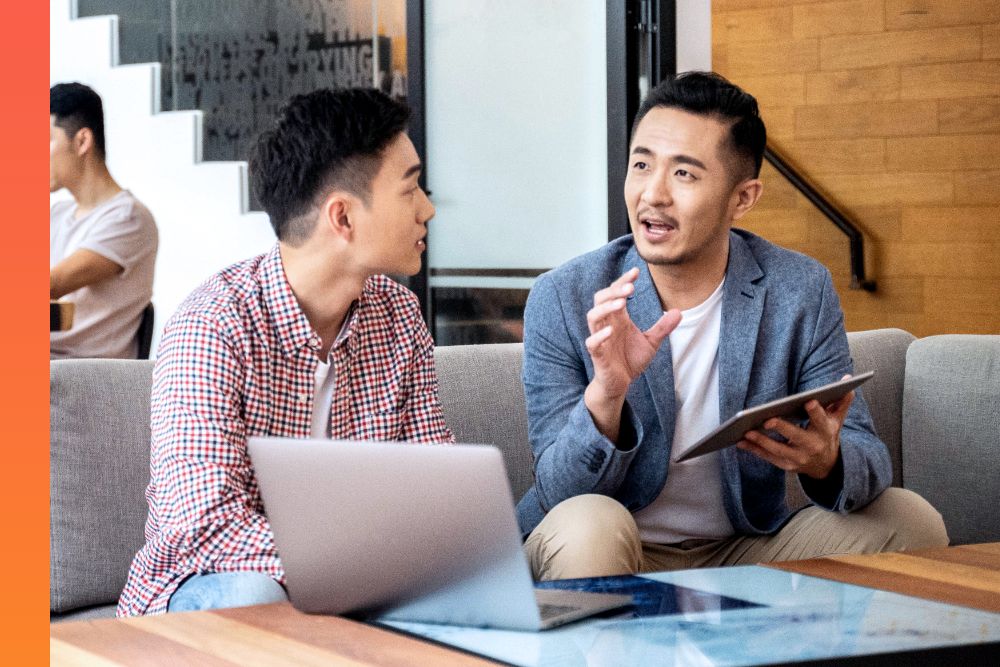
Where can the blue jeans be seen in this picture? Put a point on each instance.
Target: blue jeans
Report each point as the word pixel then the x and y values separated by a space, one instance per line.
pixel 225 589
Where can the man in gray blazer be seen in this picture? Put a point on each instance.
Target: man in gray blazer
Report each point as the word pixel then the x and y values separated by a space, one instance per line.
pixel 636 350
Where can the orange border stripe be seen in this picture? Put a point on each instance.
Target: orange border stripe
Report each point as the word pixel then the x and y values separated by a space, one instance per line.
pixel 24 386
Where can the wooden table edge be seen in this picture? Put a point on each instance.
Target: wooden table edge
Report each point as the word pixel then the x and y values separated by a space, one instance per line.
pixel 867 571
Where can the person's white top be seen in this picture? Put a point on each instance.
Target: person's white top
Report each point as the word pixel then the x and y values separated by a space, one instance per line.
pixel 106 314
pixel 324 382
pixel 690 504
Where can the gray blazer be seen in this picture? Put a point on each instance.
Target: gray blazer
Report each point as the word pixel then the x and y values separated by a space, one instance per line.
pixel 782 332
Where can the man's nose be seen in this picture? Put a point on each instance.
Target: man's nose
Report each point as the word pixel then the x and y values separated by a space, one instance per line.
pixel 427 211
pixel 657 191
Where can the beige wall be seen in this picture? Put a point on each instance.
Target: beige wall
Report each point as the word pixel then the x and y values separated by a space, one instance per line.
pixel 892 109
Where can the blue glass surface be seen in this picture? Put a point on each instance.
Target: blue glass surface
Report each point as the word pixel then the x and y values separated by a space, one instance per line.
pixel 651 597
pixel 771 616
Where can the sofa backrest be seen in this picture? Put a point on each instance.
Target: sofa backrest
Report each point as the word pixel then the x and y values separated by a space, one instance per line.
pixel 98 471
pixel 951 425
pixel 483 402
pixel 99 463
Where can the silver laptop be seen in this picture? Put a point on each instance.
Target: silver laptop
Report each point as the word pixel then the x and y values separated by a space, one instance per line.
pixel 405 532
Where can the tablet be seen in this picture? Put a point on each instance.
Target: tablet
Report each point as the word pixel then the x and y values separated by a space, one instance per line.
pixel 731 432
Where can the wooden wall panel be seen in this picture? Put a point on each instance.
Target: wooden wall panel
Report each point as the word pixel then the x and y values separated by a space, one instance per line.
pixel 973 224
pixel 777 57
pixel 837 18
pixel 944 260
pixel 968 151
pixel 910 14
pixel 854 85
pixel 755 25
pixel 894 48
pixel 977 187
pixel 838 156
pixel 970 115
pixel 899 189
pixel 991 41
pixel 892 109
pixel 777 90
pixel 950 80
pixel 961 295
pixel 878 119
pixel 736 5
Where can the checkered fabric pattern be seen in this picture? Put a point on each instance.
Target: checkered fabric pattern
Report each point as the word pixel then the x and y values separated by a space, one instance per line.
pixel 238 359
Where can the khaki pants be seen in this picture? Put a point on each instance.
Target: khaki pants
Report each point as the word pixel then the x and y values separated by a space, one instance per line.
pixel 595 536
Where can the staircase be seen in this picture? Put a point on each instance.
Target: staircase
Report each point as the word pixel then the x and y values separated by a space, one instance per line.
pixel 201 208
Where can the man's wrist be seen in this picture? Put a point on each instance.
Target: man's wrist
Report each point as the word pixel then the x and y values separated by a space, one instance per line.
pixel 825 491
pixel 605 410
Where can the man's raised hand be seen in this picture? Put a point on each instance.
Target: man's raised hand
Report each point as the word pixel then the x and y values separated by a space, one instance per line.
pixel 619 350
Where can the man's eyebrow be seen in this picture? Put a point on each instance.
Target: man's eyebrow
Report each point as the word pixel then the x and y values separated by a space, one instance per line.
pixel 415 169
pixel 687 159
pixel 674 159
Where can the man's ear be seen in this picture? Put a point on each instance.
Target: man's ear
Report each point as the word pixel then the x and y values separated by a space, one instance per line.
pixel 747 195
pixel 83 141
pixel 335 214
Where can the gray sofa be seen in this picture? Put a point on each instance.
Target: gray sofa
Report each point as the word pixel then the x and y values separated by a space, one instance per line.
pixel 935 402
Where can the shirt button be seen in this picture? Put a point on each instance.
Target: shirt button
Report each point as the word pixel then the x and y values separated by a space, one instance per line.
pixel 304 398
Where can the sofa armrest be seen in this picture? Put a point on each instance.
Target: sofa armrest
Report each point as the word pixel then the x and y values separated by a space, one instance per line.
pixel 951 431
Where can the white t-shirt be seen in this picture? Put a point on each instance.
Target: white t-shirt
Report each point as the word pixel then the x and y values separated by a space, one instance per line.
pixel 325 381
pixel 106 314
pixel 690 504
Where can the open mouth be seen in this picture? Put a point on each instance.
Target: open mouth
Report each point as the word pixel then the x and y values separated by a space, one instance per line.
pixel 421 245
pixel 657 229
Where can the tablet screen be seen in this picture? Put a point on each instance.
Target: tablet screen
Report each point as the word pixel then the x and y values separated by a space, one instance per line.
pixel 732 430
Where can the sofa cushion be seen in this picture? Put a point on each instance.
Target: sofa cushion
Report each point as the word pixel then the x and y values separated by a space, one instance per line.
pixel 884 351
pixel 951 425
pixel 483 401
pixel 98 471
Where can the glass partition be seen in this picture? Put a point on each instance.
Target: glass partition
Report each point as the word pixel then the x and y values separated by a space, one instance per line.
pixel 238 61
pixel 516 145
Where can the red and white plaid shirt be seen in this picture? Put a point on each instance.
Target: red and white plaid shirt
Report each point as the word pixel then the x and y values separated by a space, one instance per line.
pixel 239 359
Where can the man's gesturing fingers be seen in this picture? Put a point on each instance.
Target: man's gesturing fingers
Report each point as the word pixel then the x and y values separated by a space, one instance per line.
pixel 620 288
pixel 667 323
pixel 596 339
pixel 597 315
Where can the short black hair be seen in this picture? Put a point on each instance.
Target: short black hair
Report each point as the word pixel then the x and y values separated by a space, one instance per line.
pixel 710 94
pixel 322 140
pixel 76 106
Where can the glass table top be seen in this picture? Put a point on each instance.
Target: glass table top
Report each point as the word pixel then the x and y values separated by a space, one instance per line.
pixel 730 616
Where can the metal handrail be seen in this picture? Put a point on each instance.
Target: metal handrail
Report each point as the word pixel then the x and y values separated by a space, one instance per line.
pixel 857 241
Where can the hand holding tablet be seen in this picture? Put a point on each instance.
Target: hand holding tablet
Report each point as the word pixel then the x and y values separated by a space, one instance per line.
pixel 731 431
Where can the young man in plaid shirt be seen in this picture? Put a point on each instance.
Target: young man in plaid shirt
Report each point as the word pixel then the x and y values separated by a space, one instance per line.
pixel 307 340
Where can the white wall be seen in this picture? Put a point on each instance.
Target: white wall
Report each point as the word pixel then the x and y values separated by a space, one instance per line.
pixel 200 207
pixel 516 98
pixel 694 35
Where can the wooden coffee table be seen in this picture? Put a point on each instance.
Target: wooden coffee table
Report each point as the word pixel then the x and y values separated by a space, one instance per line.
pixel 968 576
pixel 279 635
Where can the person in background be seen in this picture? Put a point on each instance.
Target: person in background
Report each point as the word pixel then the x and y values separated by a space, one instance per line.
pixel 310 339
pixel 102 243
pixel 636 350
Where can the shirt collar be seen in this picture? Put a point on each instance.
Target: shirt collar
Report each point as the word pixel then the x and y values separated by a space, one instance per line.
pixel 289 321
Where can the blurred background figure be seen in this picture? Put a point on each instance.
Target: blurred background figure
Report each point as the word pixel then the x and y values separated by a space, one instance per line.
pixel 103 242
